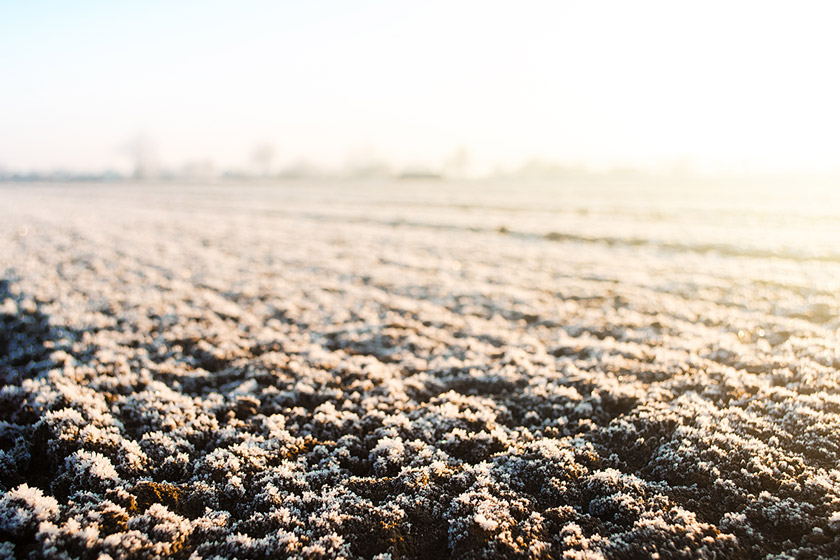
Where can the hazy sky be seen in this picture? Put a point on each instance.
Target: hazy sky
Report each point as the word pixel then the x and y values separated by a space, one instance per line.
pixel 724 84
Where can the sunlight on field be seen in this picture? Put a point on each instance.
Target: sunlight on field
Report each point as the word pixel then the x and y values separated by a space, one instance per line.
pixel 387 280
pixel 430 369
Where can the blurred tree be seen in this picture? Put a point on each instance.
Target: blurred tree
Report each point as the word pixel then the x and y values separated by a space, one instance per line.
pixel 263 159
pixel 457 164
pixel 143 154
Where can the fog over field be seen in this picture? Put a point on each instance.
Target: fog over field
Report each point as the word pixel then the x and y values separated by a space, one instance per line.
pixel 420 369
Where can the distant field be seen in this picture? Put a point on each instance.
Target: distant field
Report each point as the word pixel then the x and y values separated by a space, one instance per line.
pixel 420 370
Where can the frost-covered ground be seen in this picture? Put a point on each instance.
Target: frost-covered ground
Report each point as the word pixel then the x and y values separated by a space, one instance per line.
pixel 419 370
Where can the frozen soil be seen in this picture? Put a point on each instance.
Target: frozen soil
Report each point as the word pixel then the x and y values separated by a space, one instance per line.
pixel 213 372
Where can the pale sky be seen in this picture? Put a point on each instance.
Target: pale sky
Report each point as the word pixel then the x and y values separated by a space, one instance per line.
pixel 723 84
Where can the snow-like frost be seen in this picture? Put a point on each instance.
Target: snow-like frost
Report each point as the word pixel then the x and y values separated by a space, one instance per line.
pixel 24 507
pixel 372 371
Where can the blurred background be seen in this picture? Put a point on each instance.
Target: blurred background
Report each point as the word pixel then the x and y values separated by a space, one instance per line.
pixel 461 90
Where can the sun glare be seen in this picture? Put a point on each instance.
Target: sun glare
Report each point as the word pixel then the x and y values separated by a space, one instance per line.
pixel 715 86
pixel 384 280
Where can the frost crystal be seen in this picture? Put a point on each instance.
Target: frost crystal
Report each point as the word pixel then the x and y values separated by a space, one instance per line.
pixel 366 371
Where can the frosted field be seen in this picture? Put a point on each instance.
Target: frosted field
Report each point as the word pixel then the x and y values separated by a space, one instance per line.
pixel 419 370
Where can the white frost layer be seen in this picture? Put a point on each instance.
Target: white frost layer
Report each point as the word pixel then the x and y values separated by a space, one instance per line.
pixel 369 371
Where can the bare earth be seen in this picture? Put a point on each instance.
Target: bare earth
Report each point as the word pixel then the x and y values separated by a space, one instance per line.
pixel 417 370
